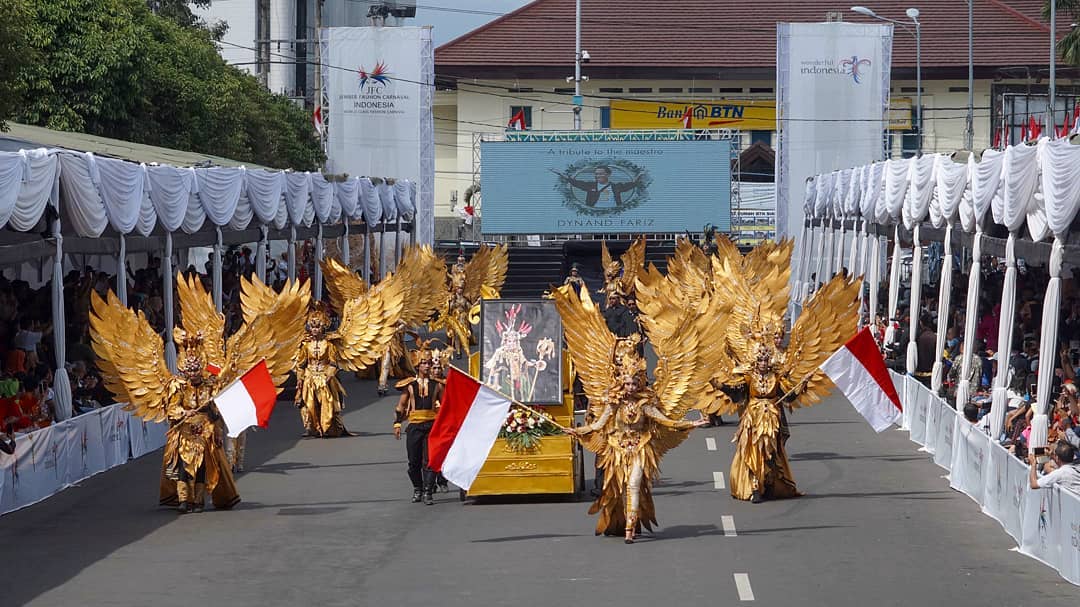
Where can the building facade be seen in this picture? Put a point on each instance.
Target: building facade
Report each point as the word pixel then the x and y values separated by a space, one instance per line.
pixel 721 56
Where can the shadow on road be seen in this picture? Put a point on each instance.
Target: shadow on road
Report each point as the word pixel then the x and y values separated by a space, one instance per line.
pixel 524 538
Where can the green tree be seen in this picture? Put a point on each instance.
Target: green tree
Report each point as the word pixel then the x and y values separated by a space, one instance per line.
pixel 114 68
pixel 15 55
pixel 1068 45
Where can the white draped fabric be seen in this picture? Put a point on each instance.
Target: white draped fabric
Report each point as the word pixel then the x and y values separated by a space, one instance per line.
pixel 170 311
pixel 875 277
pixel 1005 336
pixel 170 193
pixel 1020 179
pixel 121 185
pixel 322 200
pixel 260 253
pixel 853 254
pixel 916 297
pixel 1048 345
pixel 896 187
pixel 61 382
pixel 219 250
pixel 28 181
pixel 386 198
pixel 800 265
pixel 297 196
pixel 121 271
pixel 920 189
pixel 841 240
pixel 985 188
pixel 894 277
pixel 318 277
pixel 950 184
pixel 944 292
pixel 86 211
pixel 219 192
pixel 345 253
pixel 403 199
pixel 369 202
pixel 348 196
pixel 971 314
pixel 826 253
pixel 1060 165
pixel 264 191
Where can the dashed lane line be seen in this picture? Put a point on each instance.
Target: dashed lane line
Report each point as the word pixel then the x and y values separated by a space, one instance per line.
pixel 728 522
pixel 710 443
pixel 742 584
pixel 718 480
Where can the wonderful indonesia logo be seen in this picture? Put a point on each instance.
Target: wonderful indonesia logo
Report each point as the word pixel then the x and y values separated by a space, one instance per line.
pixel 853 67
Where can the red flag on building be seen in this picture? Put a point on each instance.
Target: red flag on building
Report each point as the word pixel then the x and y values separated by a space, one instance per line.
pixel 688 119
pixel 316 119
pixel 517 121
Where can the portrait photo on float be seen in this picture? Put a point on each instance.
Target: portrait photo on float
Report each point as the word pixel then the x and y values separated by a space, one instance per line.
pixel 603 186
pixel 519 349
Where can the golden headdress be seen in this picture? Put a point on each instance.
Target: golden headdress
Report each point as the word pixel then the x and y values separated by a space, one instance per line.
pixel 422 352
pixel 628 361
pixel 318 318
pixel 191 360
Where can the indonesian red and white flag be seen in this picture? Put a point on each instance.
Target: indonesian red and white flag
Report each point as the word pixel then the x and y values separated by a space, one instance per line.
pixel 466 428
pixel 517 123
pixel 859 371
pixel 248 401
pixel 316 120
pixel 688 119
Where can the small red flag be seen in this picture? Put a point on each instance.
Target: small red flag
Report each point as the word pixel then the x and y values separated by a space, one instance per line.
pixel 517 121
pixel 688 119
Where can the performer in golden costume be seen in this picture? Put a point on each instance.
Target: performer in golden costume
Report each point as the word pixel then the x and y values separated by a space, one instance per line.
pixel 422 275
pixel 482 277
pixel 620 274
pixel 634 423
pixel 758 376
pixel 369 320
pixel 131 358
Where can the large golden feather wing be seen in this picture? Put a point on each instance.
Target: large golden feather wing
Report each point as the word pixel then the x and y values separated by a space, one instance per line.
pixel 476 272
pixel 768 271
pixel 198 314
pixel 591 343
pixel 734 299
pixel 827 322
pixel 130 356
pixel 271 331
pixel 497 266
pixel 256 297
pixel 342 283
pixel 368 324
pixel 423 276
pixel 633 264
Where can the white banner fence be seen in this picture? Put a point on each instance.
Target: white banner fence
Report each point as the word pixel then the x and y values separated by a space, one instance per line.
pixel 1044 522
pixel 52 459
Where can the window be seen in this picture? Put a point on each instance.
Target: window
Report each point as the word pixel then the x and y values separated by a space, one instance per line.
pixel 670 90
pixel 610 90
pixel 909 140
pixel 698 89
pixel 910 89
pixel 640 90
pixel 527 89
pixel 761 136
pixel 958 89
pixel 525 109
pixel 761 89
pixel 605 117
pixel 564 91
pixel 730 89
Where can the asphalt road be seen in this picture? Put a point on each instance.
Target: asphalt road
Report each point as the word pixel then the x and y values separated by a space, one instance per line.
pixel 329 522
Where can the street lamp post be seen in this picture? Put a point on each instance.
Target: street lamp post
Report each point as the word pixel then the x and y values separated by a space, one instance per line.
pixel 577 66
pixel 913 14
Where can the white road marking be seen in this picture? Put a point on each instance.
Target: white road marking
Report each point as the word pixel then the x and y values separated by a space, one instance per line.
pixel 718 480
pixel 710 443
pixel 742 583
pixel 728 523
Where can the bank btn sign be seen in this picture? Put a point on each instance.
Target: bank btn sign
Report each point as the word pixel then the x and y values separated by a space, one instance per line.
pixel 605 187
pixel 746 115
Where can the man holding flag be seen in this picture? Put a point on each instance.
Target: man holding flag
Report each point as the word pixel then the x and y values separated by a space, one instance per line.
pixel 420 396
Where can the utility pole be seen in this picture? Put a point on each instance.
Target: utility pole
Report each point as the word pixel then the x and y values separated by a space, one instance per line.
pixel 577 66
pixel 1051 121
pixel 262 33
pixel 969 128
pixel 319 96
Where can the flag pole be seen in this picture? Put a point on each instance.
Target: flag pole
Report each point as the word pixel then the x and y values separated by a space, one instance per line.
pixel 515 402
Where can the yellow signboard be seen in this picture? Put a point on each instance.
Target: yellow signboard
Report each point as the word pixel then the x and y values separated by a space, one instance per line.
pixel 900 114
pixel 746 115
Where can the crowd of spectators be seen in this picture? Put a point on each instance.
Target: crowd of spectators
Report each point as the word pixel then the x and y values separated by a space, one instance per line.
pixel 27 350
pixel 1024 364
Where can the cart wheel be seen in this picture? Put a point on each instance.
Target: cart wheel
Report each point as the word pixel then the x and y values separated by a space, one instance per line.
pixel 461 495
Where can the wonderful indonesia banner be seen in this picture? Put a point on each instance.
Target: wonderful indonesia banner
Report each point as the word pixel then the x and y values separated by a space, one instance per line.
pixel 832 105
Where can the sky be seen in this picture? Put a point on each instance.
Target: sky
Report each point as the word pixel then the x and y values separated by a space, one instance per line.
pixel 453 18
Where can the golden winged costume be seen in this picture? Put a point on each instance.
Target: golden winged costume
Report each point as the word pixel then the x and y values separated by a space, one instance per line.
pixel 369 320
pixel 633 423
pixel 758 377
pixel 620 275
pixel 482 277
pixel 131 358
pixel 422 275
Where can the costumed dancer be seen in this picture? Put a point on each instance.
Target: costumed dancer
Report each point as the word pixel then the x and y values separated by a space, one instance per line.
pixel 420 396
pixel 131 358
pixel 481 278
pixel 634 423
pixel 759 377
pixel 421 274
pixel 368 323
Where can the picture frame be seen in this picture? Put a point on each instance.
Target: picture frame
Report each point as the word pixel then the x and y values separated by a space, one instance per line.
pixel 521 349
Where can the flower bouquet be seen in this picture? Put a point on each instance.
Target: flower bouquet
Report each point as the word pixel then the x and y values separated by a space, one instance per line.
pixel 523 430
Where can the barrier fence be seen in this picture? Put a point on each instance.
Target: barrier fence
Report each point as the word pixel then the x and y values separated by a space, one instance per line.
pixel 52 459
pixel 1044 522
